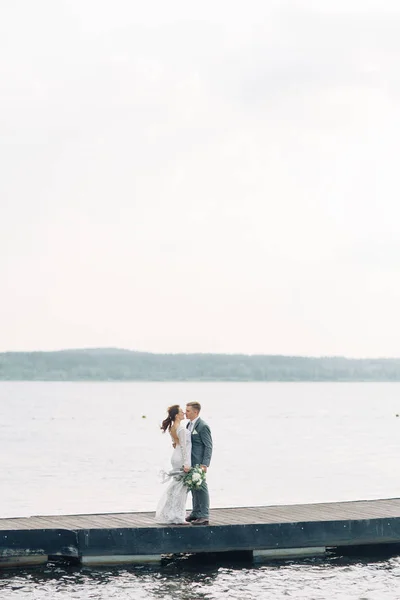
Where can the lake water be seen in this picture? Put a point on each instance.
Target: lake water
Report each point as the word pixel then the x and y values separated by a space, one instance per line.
pixel 96 447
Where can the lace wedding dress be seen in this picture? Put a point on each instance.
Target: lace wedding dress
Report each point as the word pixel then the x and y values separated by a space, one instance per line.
pixel 172 505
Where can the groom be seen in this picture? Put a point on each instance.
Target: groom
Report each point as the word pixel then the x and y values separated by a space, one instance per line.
pixel 201 455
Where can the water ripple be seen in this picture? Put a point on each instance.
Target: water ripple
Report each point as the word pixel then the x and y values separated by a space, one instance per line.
pixel 308 580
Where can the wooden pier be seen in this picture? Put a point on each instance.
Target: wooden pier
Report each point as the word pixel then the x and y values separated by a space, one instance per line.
pixel 267 532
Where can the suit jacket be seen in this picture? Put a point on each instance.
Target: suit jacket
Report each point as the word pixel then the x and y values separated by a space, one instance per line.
pixel 201 444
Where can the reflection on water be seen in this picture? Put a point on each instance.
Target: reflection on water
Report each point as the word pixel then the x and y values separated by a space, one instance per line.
pixel 194 579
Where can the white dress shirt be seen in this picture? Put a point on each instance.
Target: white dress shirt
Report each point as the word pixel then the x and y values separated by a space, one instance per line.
pixel 192 424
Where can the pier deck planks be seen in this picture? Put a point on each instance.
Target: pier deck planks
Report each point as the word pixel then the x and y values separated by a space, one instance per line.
pixel 259 528
pixel 292 513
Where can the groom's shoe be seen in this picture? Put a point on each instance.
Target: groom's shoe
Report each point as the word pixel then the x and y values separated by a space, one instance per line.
pixel 190 518
pixel 201 521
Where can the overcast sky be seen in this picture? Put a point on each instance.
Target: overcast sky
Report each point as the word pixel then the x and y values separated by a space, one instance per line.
pixel 183 176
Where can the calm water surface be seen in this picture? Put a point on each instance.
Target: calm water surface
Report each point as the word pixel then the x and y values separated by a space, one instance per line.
pixel 96 447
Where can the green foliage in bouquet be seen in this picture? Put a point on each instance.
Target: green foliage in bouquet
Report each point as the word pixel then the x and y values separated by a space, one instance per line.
pixel 195 478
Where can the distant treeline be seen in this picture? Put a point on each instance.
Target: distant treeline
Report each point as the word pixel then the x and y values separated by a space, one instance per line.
pixel 125 365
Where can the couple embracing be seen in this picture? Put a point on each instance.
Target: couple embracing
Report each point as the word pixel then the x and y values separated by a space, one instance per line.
pixel 192 446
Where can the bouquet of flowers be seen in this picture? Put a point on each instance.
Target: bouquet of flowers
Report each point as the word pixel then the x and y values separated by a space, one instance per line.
pixel 194 478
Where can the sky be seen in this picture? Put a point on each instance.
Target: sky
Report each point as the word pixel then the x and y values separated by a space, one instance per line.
pixel 200 177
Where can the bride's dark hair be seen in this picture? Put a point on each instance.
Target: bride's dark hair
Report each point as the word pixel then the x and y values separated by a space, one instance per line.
pixel 172 412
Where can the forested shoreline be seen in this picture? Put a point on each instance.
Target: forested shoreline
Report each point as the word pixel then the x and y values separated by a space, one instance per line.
pixel 111 364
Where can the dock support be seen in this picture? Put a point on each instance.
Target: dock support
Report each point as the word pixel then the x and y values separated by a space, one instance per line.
pixel 284 553
pixel 27 560
pixel 121 559
pixel 262 533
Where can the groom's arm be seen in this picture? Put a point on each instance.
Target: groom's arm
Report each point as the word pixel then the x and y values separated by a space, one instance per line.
pixel 206 438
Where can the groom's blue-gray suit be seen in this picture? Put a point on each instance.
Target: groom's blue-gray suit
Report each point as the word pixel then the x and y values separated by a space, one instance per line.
pixel 201 455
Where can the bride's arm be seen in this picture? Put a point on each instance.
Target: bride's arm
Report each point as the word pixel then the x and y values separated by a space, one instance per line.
pixel 186 452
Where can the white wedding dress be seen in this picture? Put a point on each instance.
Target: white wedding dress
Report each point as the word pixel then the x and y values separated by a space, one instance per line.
pixel 172 505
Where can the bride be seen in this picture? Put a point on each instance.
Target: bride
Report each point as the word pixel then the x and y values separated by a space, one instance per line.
pixel 172 505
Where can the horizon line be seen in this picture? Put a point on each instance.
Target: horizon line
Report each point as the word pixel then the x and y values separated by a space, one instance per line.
pixel 128 350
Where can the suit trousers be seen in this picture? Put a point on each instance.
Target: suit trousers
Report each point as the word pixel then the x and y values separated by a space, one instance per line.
pixel 201 502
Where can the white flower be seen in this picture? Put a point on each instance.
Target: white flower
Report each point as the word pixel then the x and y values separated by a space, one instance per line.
pixel 196 477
